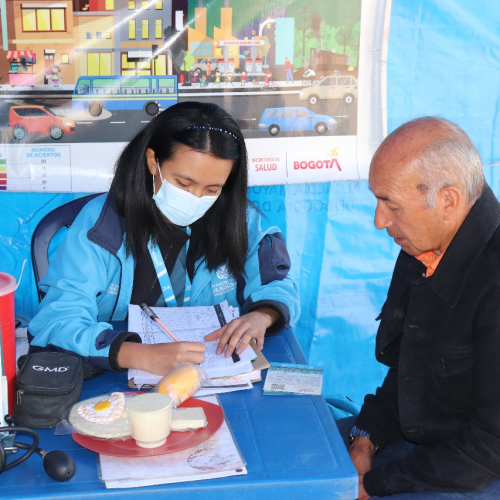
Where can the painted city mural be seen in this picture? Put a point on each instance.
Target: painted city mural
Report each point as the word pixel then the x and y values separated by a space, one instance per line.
pixel 95 71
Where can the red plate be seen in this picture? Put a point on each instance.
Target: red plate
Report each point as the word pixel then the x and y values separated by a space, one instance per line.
pixel 175 442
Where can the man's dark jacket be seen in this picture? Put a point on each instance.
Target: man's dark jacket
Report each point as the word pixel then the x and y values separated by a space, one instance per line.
pixel 440 337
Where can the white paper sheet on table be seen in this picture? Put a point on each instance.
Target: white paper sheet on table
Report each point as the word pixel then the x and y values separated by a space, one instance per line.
pixel 226 384
pixel 217 457
pixel 188 324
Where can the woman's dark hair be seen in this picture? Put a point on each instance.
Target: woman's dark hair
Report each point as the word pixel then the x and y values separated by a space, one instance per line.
pixel 221 235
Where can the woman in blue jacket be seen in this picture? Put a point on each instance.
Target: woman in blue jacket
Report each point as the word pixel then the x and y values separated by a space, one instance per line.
pixel 175 229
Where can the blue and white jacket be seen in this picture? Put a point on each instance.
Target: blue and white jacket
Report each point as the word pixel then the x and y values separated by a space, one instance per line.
pixel 89 284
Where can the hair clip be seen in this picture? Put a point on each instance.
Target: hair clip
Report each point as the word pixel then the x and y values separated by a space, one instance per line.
pixel 208 127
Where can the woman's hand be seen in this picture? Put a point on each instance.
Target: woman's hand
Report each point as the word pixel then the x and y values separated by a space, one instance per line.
pixel 238 333
pixel 159 358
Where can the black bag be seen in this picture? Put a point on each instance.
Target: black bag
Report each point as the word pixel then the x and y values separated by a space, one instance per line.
pixel 47 384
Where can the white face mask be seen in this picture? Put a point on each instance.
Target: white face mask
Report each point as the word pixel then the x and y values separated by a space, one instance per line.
pixel 178 206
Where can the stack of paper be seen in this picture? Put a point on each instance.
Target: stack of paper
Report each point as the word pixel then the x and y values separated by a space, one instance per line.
pixel 217 457
pixel 230 384
pixel 193 324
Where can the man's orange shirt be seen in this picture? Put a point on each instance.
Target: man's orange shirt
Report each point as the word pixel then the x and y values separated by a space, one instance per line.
pixel 430 261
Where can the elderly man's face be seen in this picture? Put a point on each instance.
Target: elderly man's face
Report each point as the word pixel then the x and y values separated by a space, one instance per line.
pixel 401 208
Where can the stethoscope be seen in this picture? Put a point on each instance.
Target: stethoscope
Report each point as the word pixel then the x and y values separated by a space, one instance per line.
pixel 57 464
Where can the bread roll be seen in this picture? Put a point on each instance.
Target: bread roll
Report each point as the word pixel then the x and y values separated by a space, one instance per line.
pixel 181 382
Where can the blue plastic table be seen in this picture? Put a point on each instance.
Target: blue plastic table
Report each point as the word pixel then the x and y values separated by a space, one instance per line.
pixel 291 445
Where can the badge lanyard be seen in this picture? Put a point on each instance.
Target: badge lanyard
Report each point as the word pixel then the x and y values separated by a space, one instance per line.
pixel 164 278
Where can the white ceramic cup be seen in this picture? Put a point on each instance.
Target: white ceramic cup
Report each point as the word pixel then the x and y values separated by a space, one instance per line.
pixel 149 417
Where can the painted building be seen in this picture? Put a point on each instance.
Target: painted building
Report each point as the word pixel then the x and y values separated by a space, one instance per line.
pixel 43 29
pixel 99 37
pixel 225 46
pixel 139 26
pixel 94 47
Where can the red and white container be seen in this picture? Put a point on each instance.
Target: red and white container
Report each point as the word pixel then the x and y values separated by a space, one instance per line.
pixel 8 286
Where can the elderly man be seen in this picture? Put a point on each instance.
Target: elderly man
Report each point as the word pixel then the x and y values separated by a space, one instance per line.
pixel 434 424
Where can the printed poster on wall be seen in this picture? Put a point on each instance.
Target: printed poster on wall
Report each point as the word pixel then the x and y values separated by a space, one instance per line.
pixel 304 80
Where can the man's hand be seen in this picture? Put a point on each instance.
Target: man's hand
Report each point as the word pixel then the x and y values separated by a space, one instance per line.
pixel 361 453
pixel 362 494
pixel 238 333
pixel 159 358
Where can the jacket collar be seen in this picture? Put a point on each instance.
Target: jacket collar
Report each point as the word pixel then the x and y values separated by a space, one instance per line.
pixel 109 228
pixel 109 231
pixel 448 281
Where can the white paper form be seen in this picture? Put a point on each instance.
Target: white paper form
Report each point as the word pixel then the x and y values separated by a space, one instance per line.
pixel 188 324
pixel 214 458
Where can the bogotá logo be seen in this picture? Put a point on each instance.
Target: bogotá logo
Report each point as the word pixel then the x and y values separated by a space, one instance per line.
pixel 326 163
pixel 223 272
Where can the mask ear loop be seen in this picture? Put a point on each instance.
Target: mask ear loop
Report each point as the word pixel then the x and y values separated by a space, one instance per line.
pixel 159 171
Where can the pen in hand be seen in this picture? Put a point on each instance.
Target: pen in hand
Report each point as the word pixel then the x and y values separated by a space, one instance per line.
pixel 155 318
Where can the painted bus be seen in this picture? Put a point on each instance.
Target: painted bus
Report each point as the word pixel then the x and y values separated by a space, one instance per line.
pixel 146 92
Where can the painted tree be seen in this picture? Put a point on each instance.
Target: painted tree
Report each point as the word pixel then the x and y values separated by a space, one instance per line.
pixel 309 29
pixel 188 61
pixel 353 47
pixel 343 37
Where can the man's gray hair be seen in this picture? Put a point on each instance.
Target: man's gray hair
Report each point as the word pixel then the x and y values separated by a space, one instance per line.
pixel 449 160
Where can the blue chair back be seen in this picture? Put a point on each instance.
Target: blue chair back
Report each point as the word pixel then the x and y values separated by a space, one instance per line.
pixel 47 228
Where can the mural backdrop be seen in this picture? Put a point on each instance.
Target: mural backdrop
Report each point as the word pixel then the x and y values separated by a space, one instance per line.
pixel 82 78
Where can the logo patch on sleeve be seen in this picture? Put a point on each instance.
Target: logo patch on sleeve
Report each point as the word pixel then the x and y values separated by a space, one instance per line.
pixel 113 289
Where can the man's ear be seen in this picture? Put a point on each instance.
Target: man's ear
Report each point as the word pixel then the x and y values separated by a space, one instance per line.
pixel 451 201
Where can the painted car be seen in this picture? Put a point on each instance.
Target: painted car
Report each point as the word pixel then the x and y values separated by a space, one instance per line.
pixel 202 65
pixel 25 120
pixel 332 87
pixel 293 119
